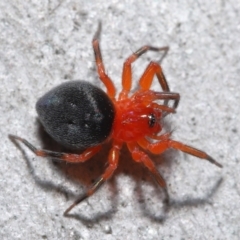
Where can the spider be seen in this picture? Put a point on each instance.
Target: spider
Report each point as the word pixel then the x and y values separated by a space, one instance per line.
pixel 79 115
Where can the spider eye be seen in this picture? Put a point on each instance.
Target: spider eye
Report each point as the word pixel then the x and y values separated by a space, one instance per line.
pixel 151 120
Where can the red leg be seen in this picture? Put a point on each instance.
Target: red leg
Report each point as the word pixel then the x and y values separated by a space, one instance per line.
pixel 145 81
pixel 140 156
pixel 73 158
pixel 150 96
pixel 147 77
pixel 166 143
pixel 127 70
pixel 112 165
pixel 100 66
pixel 163 108
pixel 144 143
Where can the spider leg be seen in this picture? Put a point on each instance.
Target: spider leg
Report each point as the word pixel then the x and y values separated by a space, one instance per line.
pixel 112 165
pixel 127 70
pixel 166 143
pixel 100 66
pixel 145 81
pixel 150 96
pixel 68 157
pixel 140 156
pixel 153 68
pixel 163 108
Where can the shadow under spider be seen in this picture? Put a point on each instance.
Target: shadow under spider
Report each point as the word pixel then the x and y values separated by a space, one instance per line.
pixel 175 203
pixel 90 170
pixel 69 170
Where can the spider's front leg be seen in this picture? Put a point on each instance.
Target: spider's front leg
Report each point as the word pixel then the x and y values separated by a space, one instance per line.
pixel 149 97
pixel 127 70
pixel 112 165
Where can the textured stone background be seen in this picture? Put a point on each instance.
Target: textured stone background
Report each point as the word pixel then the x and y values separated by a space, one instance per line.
pixel 44 43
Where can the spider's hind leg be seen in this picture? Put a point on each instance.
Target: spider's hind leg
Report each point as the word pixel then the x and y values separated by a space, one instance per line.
pixel 68 157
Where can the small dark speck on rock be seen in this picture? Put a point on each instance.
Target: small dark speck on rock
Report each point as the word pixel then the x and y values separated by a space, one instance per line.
pixel 66 76
pixel 90 225
pixel 123 204
pixel 193 121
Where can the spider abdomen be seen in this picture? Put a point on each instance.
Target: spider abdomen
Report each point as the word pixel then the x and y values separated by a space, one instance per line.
pixel 76 114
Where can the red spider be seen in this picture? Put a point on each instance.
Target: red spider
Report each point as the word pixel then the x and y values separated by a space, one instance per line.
pixel 79 115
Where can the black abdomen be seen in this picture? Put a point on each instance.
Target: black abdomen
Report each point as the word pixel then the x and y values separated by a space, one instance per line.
pixel 76 114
